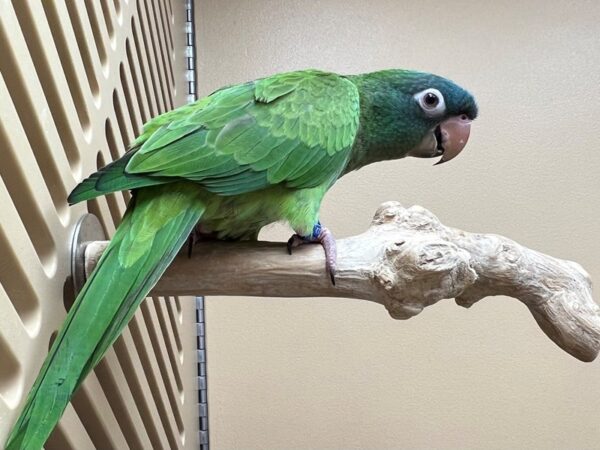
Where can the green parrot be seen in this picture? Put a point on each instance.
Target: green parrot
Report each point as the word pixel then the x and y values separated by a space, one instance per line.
pixel 224 167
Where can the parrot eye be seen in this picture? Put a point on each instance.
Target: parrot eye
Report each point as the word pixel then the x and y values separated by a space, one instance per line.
pixel 431 102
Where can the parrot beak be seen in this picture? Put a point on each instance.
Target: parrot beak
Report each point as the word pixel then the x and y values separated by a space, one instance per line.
pixel 452 136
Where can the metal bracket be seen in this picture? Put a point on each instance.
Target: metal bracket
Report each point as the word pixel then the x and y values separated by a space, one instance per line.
pixel 87 229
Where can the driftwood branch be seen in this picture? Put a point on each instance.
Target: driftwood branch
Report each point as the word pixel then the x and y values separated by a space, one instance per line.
pixel 406 260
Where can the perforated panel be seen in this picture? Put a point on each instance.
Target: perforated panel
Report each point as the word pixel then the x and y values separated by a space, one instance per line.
pixel 77 81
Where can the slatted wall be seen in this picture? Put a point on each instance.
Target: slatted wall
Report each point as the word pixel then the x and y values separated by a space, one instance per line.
pixel 77 81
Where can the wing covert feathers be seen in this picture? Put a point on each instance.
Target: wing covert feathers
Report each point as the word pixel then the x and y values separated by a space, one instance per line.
pixel 294 128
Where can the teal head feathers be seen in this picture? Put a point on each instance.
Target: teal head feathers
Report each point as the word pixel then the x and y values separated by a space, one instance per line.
pixel 408 113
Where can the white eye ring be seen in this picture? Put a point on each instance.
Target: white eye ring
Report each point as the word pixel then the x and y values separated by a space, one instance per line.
pixel 431 102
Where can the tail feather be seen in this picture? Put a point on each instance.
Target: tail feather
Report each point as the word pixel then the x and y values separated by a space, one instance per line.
pixel 112 178
pixel 156 224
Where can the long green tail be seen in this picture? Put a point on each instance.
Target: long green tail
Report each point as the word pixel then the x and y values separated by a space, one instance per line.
pixel 154 228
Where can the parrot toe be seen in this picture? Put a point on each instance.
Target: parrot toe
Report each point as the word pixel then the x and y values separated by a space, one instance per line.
pixel 199 234
pixel 324 237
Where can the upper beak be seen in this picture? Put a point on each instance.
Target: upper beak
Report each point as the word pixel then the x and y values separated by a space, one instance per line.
pixel 452 136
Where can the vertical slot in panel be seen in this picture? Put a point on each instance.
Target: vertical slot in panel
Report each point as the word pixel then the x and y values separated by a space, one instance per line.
pixel 179 311
pixel 14 278
pixel 110 18
pixel 138 83
pixel 169 338
pixel 123 123
pixel 131 107
pixel 93 409
pixel 12 328
pixel 150 32
pixel 117 4
pixel 167 18
pixel 140 382
pixel 145 41
pixel 143 64
pixel 83 41
pixel 113 148
pixel 69 434
pixel 44 55
pixel 121 399
pixel 171 310
pixel 11 377
pixel 139 333
pixel 71 66
pixel 167 380
pixel 170 10
pixel 98 31
pixel 162 36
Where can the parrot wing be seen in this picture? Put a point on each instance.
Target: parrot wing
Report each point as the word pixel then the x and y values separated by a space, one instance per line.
pixel 295 128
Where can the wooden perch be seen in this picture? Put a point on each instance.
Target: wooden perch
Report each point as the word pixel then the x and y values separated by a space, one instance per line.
pixel 406 260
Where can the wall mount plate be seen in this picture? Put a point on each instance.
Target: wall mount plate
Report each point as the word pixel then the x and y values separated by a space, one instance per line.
pixel 87 229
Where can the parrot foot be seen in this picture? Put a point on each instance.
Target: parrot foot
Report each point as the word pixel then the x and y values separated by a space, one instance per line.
pixel 199 235
pixel 324 237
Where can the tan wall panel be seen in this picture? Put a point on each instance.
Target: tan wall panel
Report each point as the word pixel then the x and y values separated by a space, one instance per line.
pixel 321 373
pixel 77 81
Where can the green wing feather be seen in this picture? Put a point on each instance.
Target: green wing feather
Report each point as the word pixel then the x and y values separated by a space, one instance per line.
pixel 295 128
pixel 156 224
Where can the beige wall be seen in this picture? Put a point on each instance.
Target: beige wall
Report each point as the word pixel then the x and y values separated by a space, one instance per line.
pixel 318 373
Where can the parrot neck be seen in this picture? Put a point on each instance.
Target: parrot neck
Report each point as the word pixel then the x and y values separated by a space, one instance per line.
pixel 367 150
pixel 380 136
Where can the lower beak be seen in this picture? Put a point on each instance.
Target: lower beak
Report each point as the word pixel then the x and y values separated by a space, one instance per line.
pixel 452 136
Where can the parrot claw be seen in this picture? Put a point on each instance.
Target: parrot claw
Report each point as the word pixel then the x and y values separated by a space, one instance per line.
pixel 190 242
pixel 194 237
pixel 324 237
pixel 295 241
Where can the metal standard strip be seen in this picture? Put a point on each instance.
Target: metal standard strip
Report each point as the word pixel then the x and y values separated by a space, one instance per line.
pixel 190 53
pixel 202 392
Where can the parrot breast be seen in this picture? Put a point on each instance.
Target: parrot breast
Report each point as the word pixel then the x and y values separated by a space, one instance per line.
pixel 241 217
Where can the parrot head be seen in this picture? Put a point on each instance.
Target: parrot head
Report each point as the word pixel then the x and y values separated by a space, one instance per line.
pixel 411 113
pixel 443 111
